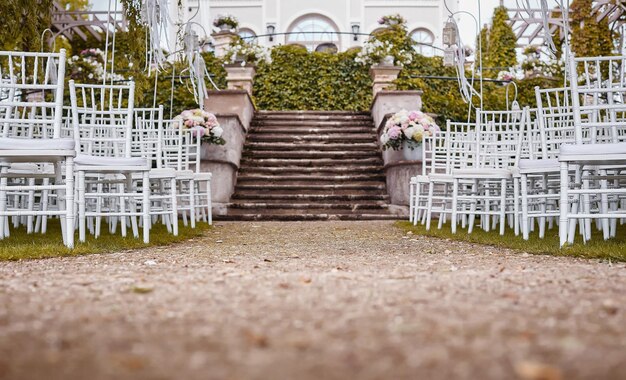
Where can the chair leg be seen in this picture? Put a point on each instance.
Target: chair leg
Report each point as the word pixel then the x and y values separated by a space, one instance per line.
pixel 516 200
pixel 412 200
pixel 3 202
pixel 502 206
pixel 192 203
pixel 69 205
pixel 524 222
pixel 174 201
pixel 146 207
pixel 455 194
pixel 81 207
pixel 564 204
pixel 429 205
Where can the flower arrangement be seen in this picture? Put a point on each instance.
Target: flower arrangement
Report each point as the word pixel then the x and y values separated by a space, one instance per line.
pixel 391 20
pixel 202 124
pixel 246 53
pixel 376 51
pixel 226 20
pixel 409 126
pixel 506 76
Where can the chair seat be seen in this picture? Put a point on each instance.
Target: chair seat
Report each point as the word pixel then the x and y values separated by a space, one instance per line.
pixel 596 153
pixel 184 174
pixel 10 143
pixel 482 173
pixel 121 162
pixel 526 166
pixel 202 176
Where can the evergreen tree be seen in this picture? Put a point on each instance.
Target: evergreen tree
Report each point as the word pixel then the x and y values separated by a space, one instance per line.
pixel 484 46
pixel 502 42
pixel 590 38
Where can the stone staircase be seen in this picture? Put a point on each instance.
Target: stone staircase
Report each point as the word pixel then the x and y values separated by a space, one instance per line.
pixel 310 166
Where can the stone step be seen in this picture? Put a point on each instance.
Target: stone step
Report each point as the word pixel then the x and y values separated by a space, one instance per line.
pixel 304 162
pixel 321 171
pixel 281 204
pixel 309 196
pixel 247 177
pixel 300 215
pixel 256 123
pixel 313 138
pixel 294 115
pixel 308 146
pixel 310 154
pixel 313 130
pixel 306 186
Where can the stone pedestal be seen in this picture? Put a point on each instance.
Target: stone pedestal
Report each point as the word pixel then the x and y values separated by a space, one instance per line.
pixel 383 77
pixel 398 170
pixel 240 77
pixel 222 41
pixel 234 110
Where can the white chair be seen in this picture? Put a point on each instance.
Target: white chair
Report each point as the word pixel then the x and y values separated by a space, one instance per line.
pixel 598 156
pixel 148 143
pixel 31 112
pixel 498 146
pixel 453 148
pixel 102 117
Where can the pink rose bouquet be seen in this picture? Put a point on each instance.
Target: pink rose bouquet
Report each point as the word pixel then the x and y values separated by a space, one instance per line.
pixel 202 124
pixel 411 126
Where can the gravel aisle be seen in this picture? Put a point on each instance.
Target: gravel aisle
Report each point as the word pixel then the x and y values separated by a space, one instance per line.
pixel 314 300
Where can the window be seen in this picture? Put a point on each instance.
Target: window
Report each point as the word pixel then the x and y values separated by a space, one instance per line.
pixel 424 40
pixel 248 35
pixel 312 31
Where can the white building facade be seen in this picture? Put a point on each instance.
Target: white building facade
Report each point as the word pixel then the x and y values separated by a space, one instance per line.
pixel 322 22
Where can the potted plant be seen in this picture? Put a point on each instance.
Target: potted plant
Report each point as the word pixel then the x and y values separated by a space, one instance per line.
pixel 406 130
pixel 245 54
pixel 383 53
pixel 202 124
pixel 392 20
pixel 226 22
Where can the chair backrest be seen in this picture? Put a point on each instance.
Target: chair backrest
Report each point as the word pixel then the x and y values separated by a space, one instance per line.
pixel 434 149
pixel 172 145
pixel 555 119
pixel 102 117
pixel 147 135
pixel 598 94
pixel 500 137
pixel 460 146
pixel 191 150
pixel 31 94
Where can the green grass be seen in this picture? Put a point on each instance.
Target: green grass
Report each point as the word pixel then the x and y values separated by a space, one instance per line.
pixel 21 245
pixel 597 248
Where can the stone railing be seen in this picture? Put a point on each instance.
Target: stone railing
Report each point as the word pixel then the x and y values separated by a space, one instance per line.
pixel 234 110
pixel 398 170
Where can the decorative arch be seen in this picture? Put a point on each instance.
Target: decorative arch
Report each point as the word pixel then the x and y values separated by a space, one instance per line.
pixel 312 30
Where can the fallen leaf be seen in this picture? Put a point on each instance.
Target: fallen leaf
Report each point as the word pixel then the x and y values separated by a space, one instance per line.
pixel 142 289
pixel 256 339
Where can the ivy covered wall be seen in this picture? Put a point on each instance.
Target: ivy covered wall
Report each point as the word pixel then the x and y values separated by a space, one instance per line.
pixel 299 80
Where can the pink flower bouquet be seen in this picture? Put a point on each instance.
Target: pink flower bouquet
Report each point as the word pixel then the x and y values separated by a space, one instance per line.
pixel 203 125
pixel 410 126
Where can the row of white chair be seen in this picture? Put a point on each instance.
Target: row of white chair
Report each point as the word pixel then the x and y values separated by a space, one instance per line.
pixel 563 160
pixel 113 160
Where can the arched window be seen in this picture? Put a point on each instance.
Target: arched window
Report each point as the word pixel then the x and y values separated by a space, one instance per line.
pixel 313 30
pixel 424 40
pixel 248 35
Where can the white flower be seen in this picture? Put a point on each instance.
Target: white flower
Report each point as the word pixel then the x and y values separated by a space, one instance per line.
pixel 217 131
pixel 384 138
pixel 409 132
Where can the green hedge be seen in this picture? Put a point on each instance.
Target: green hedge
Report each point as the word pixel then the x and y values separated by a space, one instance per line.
pixel 299 80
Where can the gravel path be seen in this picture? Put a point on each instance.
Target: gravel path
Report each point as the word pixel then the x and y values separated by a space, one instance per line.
pixel 314 300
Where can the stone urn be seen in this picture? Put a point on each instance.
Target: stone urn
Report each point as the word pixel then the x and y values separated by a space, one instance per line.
pixel 383 77
pixel 412 152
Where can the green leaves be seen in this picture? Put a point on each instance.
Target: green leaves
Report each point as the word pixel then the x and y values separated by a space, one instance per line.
pixel 298 80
